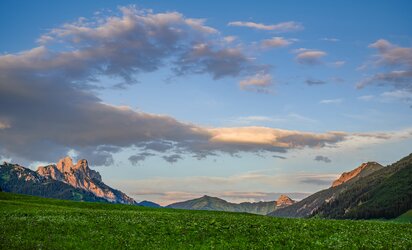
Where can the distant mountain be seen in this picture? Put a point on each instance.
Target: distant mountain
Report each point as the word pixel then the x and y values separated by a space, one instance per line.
pixel 217 204
pixel 310 204
pixel 370 191
pixel 63 181
pixel 148 204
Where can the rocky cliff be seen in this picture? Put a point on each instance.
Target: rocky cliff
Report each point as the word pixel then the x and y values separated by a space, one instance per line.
pixel 80 176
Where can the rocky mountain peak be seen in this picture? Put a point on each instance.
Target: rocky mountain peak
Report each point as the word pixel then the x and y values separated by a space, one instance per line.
pixel 65 164
pixel 364 169
pixel 284 200
pixel 81 176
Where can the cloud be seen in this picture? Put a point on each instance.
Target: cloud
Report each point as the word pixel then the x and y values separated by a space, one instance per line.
pixel 312 81
pixel 276 42
pixel 319 181
pixel 135 159
pixel 50 108
pixel 366 97
pixel 279 157
pixel 330 39
pixel 279 27
pixel 331 101
pixel 309 56
pixel 397 95
pixel 172 158
pixel 259 82
pixel 338 64
pixel 229 39
pixel 323 158
pixel 203 58
pixel 395 62
pixel 259 119
pixel 4 125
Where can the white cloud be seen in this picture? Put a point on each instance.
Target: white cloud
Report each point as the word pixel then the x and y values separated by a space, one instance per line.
pixel 279 27
pixel 331 101
pixel 309 56
pixel 229 39
pixel 366 97
pixel 338 64
pixel 330 39
pixel 259 82
pixel 276 42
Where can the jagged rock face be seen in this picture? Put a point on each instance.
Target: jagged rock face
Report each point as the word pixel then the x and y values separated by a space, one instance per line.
pixel 284 201
pixel 363 169
pixel 81 176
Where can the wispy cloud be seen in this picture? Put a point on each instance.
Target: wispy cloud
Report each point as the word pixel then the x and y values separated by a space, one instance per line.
pixel 331 101
pixel 330 39
pixel 395 62
pixel 276 42
pixel 366 97
pixel 279 27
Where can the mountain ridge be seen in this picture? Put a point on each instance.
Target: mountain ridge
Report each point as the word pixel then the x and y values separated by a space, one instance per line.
pixel 217 204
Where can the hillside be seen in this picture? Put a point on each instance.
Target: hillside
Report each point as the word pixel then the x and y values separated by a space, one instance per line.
pixel 405 217
pixel 386 193
pixel 64 180
pixel 310 204
pixel 217 204
pixel 28 222
pixel 148 204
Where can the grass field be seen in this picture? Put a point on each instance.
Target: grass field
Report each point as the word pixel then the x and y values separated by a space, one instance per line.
pixel 28 222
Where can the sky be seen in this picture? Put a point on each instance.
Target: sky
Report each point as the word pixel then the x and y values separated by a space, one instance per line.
pixel 172 100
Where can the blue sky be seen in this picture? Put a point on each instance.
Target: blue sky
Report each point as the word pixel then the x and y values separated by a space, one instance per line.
pixel 171 100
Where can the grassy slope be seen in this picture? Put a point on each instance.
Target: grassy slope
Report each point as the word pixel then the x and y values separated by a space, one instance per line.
pixel 32 222
pixel 405 218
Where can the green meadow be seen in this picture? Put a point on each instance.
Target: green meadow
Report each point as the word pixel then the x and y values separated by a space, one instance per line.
pixel 28 222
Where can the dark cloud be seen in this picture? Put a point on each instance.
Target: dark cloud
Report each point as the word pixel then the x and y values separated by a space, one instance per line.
pixel 323 159
pixel 135 159
pixel 172 158
pixel 318 182
pixel 158 145
pixel 279 157
pixel 314 82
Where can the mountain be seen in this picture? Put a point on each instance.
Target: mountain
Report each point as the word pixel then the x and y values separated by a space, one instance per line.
pixel 363 170
pixel 63 181
pixel 17 179
pixel 386 193
pixel 368 192
pixel 217 204
pixel 81 176
pixel 284 201
pixel 310 204
pixel 148 204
